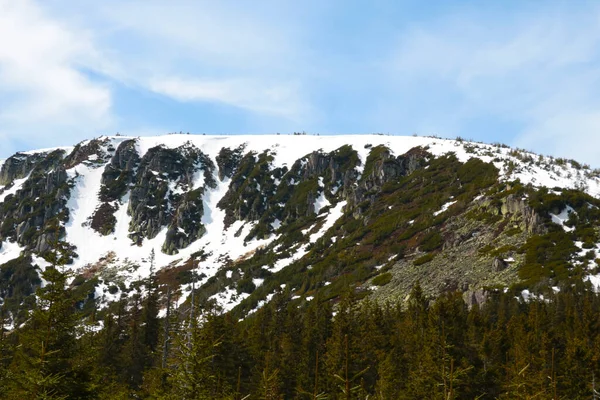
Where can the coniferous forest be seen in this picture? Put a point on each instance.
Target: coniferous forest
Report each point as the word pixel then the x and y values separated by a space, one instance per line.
pixel 343 349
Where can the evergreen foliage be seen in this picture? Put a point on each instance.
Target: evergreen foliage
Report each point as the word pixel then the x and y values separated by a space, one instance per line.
pixel 347 349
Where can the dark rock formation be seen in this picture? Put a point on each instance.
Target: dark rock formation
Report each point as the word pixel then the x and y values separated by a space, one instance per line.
pixel 499 265
pixel 476 297
pixel 252 184
pixel 228 160
pixel 163 176
pixel 32 216
pixel 520 211
pixel 95 151
pixel 118 175
pixel 19 166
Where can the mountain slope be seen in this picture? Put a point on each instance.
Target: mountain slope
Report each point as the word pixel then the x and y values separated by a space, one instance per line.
pixel 249 215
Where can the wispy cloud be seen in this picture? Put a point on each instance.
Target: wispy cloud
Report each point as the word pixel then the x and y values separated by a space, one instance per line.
pixel 207 52
pixel 60 68
pixel 260 97
pixel 42 87
pixel 540 72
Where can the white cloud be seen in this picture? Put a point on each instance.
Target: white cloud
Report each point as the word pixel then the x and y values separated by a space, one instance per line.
pixel 260 97
pixel 60 63
pixel 196 51
pixel 42 87
pixel 217 34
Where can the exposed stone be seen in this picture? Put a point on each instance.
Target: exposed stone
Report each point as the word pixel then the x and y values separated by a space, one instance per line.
pixel 32 216
pixel 476 297
pixel 251 187
pixel 520 211
pixel 116 179
pixel 499 265
pixel 382 167
pixel 228 160
pixel 18 167
pixel 92 151
pixel 162 177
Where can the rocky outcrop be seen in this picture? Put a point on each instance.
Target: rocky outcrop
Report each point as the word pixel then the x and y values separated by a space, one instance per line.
pixel 120 172
pixel 33 216
pixel 103 220
pixel 261 194
pixel 499 265
pixel 18 167
pixel 116 179
pixel 332 175
pixel 228 161
pixel 382 167
pixel 476 297
pixel 94 151
pixel 251 187
pixel 186 225
pixel 521 213
pixel 163 177
pixel 337 170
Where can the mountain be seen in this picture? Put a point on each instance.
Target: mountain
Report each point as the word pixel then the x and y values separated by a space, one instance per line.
pixel 241 217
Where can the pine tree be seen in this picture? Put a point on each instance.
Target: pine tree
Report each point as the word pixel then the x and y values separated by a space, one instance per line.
pixel 150 323
pixel 45 365
pixel 134 351
pixel 4 355
pixel 193 379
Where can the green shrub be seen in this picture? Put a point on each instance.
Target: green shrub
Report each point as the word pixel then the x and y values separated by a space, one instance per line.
pixel 246 286
pixel 424 259
pixel 431 241
pixel 382 279
pixel 513 231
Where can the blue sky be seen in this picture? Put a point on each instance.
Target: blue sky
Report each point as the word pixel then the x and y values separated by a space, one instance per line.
pixel 525 73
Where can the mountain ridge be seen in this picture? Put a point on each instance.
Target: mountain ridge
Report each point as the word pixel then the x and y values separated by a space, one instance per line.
pixel 212 203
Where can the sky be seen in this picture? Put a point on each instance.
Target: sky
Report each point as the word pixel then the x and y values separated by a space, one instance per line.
pixel 524 73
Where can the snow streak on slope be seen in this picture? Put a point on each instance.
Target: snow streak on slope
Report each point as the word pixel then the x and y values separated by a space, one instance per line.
pixel 17 184
pixel 9 251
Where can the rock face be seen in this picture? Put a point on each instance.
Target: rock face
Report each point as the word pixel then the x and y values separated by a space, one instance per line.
pixel 476 297
pixel 518 208
pixel 499 265
pixel 116 179
pixel 18 167
pixel 32 217
pixel 228 160
pixel 252 184
pixel 94 151
pixel 161 195
pixel 119 173
pixel 382 167
pixel 186 225
pixel 263 195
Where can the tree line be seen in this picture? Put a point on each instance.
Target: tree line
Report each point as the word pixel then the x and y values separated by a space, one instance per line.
pixel 320 349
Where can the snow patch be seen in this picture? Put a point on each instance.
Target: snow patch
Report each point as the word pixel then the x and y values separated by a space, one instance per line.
pixel 563 217
pixel 9 251
pixel 444 208
pixel 16 186
pixel 321 202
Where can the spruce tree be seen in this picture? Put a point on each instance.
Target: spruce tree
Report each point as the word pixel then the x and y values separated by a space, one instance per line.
pixel 45 365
